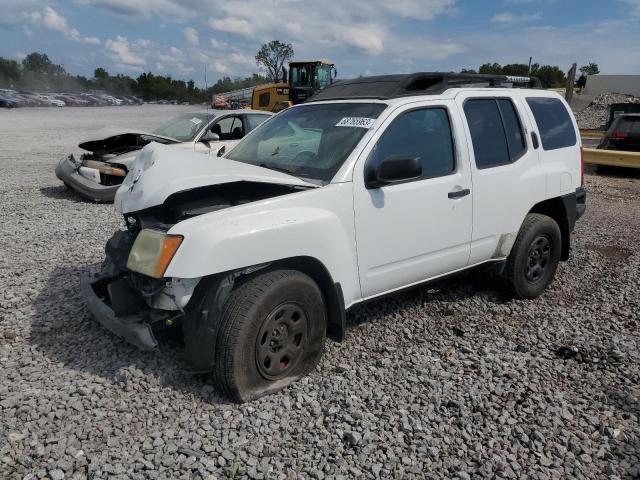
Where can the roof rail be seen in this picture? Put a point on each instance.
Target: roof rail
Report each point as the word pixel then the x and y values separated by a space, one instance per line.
pixel 424 83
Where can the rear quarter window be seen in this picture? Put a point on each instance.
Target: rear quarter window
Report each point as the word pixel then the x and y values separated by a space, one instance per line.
pixel 554 123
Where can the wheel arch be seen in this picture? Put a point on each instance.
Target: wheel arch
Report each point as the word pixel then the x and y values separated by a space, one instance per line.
pixel 331 291
pixel 220 286
pixel 556 208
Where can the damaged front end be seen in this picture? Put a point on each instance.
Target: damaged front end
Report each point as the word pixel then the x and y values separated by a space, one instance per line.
pixel 97 174
pixel 130 304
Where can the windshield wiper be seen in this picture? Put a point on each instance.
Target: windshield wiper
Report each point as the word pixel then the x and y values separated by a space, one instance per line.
pixel 279 169
pixel 285 170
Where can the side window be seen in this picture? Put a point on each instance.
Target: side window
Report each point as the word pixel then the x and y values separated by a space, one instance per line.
pixel 496 132
pixel 554 123
pixel 423 134
pixel 513 129
pixel 264 99
pixel 254 120
pixel 229 128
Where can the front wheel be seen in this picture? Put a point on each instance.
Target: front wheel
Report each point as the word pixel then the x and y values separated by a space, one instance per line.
pixel 272 332
pixel 534 258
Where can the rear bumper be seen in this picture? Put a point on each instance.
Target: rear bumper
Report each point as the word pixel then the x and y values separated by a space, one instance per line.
pixel 131 328
pixel 67 171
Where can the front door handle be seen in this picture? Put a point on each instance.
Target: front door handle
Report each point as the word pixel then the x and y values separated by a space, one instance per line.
pixel 459 193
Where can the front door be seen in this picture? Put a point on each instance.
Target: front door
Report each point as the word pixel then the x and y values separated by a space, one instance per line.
pixel 419 229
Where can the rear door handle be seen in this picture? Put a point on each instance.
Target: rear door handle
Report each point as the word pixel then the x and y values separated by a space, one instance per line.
pixel 459 193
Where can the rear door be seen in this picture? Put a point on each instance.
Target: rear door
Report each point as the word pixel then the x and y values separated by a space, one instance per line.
pixel 505 169
pixel 420 229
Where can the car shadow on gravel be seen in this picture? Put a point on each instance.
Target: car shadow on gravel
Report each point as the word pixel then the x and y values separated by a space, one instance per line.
pixel 62 192
pixel 63 330
pixel 436 297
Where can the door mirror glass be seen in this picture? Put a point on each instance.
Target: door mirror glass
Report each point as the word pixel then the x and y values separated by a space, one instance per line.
pixel 209 136
pixel 394 169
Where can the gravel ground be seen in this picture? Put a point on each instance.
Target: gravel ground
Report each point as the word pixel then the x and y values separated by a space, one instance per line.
pixel 453 380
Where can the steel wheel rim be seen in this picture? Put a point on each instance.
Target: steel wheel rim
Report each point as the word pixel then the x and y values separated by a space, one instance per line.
pixel 538 258
pixel 281 341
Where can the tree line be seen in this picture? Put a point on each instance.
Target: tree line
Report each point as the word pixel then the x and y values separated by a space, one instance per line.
pixel 38 73
pixel 549 75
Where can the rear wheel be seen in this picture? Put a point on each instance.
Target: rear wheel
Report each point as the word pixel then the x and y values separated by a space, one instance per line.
pixel 272 332
pixel 534 258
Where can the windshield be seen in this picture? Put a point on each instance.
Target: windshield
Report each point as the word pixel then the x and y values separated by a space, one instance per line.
pixel 316 76
pixel 183 128
pixel 311 141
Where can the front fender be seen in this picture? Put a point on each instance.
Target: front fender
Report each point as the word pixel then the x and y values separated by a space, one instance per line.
pixel 315 223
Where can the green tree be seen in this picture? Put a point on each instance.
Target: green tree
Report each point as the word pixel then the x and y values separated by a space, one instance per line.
pixel 272 56
pixel 590 69
pixel 9 72
pixel 551 76
pixel 491 68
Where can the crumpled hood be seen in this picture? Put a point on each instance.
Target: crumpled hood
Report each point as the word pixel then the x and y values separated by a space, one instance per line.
pixel 159 171
pixel 110 139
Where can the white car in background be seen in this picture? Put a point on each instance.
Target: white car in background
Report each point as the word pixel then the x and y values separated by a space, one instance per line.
pixel 98 173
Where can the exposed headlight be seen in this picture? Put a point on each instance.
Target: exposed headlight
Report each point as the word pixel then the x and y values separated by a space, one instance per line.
pixel 152 252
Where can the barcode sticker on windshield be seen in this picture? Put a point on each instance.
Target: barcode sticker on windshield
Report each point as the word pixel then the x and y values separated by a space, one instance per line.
pixel 359 122
pixel 196 120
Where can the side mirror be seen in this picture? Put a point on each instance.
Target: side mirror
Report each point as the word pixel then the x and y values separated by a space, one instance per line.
pixel 209 136
pixel 394 169
pixel 221 151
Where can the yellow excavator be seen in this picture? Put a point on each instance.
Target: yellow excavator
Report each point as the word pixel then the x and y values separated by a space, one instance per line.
pixel 305 79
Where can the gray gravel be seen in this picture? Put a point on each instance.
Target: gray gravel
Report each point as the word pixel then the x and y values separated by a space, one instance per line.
pixel 453 380
pixel 596 114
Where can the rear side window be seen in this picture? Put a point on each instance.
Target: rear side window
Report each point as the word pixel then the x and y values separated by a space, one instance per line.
pixel 554 123
pixel 264 99
pixel 423 134
pixel 254 120
pixel 496 131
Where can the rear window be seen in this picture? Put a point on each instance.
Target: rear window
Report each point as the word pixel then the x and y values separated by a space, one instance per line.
pixel 629 125
pixel 554 123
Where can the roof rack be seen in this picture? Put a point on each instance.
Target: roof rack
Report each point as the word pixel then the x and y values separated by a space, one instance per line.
pixel 384 87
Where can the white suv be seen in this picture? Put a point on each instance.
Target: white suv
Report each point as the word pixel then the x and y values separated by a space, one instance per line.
pixel 375 185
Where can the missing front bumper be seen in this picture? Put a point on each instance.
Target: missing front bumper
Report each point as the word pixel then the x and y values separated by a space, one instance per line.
pixel 133 328
pixel 67 171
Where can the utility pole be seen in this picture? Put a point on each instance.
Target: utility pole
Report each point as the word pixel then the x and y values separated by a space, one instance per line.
pixel 571 78
pixel 530 59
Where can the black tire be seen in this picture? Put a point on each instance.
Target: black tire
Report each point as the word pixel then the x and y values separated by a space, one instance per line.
pixel 534 258
pixel 272 332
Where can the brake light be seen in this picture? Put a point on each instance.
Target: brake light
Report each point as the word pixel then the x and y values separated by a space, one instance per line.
pixel 581 167
pixel 619 135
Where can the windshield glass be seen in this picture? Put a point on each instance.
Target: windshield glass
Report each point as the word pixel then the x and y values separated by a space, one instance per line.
pixel 311 141
pixel 322 77
pixel 301 76
pixel 183 128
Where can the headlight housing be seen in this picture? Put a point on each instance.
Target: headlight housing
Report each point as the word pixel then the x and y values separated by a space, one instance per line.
pixel 152 252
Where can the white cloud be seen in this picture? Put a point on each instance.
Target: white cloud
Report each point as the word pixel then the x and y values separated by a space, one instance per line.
pixel 635 6
pixel 119 50
pixel 170 9
pixel 50 19
pixel 232 25
pixel 508 17
pixel 191 36
pixel 218 45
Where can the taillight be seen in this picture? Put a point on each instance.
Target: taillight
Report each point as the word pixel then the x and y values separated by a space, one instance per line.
pixel 581 167
pixel 619 135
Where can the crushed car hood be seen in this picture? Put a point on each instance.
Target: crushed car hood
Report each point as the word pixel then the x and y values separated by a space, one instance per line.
pixel 122 141
pixel 159 171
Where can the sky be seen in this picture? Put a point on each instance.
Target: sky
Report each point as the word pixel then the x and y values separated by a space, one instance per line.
pixel 362 37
